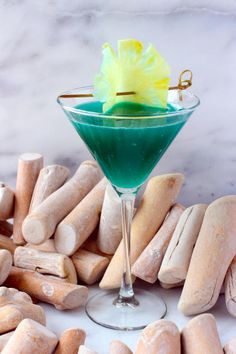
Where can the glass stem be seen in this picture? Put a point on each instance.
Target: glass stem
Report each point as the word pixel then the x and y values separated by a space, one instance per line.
pixel 126 294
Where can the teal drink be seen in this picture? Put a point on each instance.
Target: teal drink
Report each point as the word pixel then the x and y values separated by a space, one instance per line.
pixel 127 149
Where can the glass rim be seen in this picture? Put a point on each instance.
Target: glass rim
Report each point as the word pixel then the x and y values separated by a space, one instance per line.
pixel 103 115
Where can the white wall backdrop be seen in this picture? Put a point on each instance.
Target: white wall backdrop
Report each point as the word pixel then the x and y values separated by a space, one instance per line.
pixel 47 47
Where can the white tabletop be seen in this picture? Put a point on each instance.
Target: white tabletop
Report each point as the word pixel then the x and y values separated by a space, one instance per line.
pixel 98 338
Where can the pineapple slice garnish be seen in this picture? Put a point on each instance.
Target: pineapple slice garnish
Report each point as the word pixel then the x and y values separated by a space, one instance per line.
pixel 133 69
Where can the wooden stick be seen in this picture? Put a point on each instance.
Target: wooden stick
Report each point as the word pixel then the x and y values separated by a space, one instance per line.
pixel 149 262
pixel 212 255
pixel 85 350
pixel 6 228
pixel 159 196
pixel 200 336
pixel 230 347
pixel 5 265
pixel 62 295
pixel 49 180
pixel 46 263
pixel 31 337
pixel 159 337
pixel 14 307
pixel 230 288
pixel 176 261
pixel 90 267
pixel 29 166
pixel 41 223
pixel 81 222
pixel 6 201
pixel 117 347
pixel 70 341
pixel 7 243
pixel 110 228
pixel 47 246
pixel 4 338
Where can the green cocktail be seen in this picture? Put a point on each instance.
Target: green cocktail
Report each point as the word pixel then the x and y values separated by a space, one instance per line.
pixel 127 141
pixel 127 149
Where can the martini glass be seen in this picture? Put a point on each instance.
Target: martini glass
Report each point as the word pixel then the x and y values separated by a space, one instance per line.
pixel 127 146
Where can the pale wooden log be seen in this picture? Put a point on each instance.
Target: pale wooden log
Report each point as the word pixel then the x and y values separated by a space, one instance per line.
pixel 14 307
pixel 230 347
pixel 149 262
pixel 176 261
pixel 6 201
pixel 159 196
pixel 91 245
pixel 6 228
pixel 5 264
pixel 40 225
pixel 159 337
pixel 110 227
pixel 117 347
pixel 47 246
pixel 81 222
pixel 214 251
pixel 70 341
pixel 85 350
pixel 60 294
pixel 49 180
pixel 4 338
pixel 230 288
pixel 90 267
pixel 7 243
pixel 29 166
pixel 31 337
pixel 200 336
pixel 45 263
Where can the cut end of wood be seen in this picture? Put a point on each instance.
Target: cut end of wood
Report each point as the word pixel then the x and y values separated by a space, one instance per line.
pixel 76 298
pixel 34 229
pixel 30 156
pixel 65 239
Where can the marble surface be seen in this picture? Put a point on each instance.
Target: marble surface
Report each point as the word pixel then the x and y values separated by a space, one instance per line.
pixel 49 46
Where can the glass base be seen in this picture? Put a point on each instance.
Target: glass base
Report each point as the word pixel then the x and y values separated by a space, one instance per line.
pixel 106 309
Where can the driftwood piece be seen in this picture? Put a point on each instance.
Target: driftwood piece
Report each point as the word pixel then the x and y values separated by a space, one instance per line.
pixel 7 244
pixel 46 263
pixel 214 251
pixel 110 227
pixel 70 341
pixel 159 337
pixel 5 264
pixel 81 222
pixel 49 180
pixel 30 337
pixel 90 267
pixel 6 201
pixel 29 166
pixel 117 347
pixel 14 307
pixel 40 225
pixel 44 288
pixel 230 347
pixel 149 262
pixel 230 288
pixel 91 245
pixel 176 261
pixel 200 336
pixel 6 228
pixel 159 196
